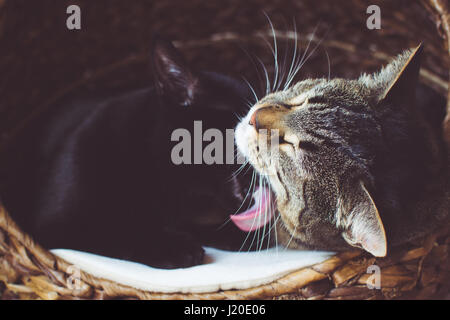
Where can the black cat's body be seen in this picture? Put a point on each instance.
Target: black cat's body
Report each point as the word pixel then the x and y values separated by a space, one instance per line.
pixel 97 175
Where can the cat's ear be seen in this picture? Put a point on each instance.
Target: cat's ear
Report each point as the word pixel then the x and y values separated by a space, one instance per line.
pixel 363 225
pixel 401 90
pixel 173 77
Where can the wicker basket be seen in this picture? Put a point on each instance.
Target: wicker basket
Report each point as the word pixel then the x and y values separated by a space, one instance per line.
pixel 27 271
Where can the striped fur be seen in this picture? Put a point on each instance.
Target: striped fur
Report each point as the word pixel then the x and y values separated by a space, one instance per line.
pixel 352 164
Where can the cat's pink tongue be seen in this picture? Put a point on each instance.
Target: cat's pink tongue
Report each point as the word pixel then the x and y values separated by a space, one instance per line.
pixel 258 215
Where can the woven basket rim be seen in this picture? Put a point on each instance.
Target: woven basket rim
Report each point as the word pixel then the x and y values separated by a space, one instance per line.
pixel 34 258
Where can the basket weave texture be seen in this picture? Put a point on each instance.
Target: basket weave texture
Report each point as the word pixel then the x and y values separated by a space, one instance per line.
pixel 417 270
pixel 27 271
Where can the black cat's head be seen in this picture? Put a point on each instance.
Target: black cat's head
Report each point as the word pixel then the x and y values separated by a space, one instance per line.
pixel 185 88
pixel 201 111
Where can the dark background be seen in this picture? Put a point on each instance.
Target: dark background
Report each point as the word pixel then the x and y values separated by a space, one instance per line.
pixel 41 60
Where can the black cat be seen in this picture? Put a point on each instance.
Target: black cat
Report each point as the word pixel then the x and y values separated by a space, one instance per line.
pixel 97 175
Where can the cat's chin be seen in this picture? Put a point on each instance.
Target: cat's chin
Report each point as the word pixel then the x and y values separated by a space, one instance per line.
pixel 263 209
pixel 243 137
pixel 247 142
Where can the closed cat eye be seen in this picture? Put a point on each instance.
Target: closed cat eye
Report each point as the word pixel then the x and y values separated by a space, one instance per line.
pixel 317 99
pixel 281 140
pixel 283 105
pixel 304 145
pixel 308 146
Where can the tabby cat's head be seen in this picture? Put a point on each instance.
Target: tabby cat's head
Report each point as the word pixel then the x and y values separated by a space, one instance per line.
pixel 334 136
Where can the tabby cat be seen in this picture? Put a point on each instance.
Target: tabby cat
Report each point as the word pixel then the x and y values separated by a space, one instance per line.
pixel 360 163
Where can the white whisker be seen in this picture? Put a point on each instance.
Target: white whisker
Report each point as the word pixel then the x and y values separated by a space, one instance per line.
pixel 289 242
pixel 274 52
pixel 284 67
pixel 318 43
pixel 238 171
pixel 265 214
pixel 294 56
pixel 242 203
pixel 305 58
pixel 251 191
pixel 271 213
pixel 258 73
pixel 266 74
pixel 255 234
pixel 329 64
pixel 253 92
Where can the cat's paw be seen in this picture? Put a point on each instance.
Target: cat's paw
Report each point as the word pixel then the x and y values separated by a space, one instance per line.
pixel 183 255
pixel 171 253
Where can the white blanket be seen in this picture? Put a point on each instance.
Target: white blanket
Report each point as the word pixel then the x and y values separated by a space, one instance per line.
pixel 222 270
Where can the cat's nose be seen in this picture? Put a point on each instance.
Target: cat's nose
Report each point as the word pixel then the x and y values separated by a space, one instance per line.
pixel 254 120
pixel 262 118
pixel 268 117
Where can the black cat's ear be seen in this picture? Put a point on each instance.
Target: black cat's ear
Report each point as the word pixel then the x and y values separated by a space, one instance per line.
pixel 401 91
pixel 363 225
pixel 173 77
